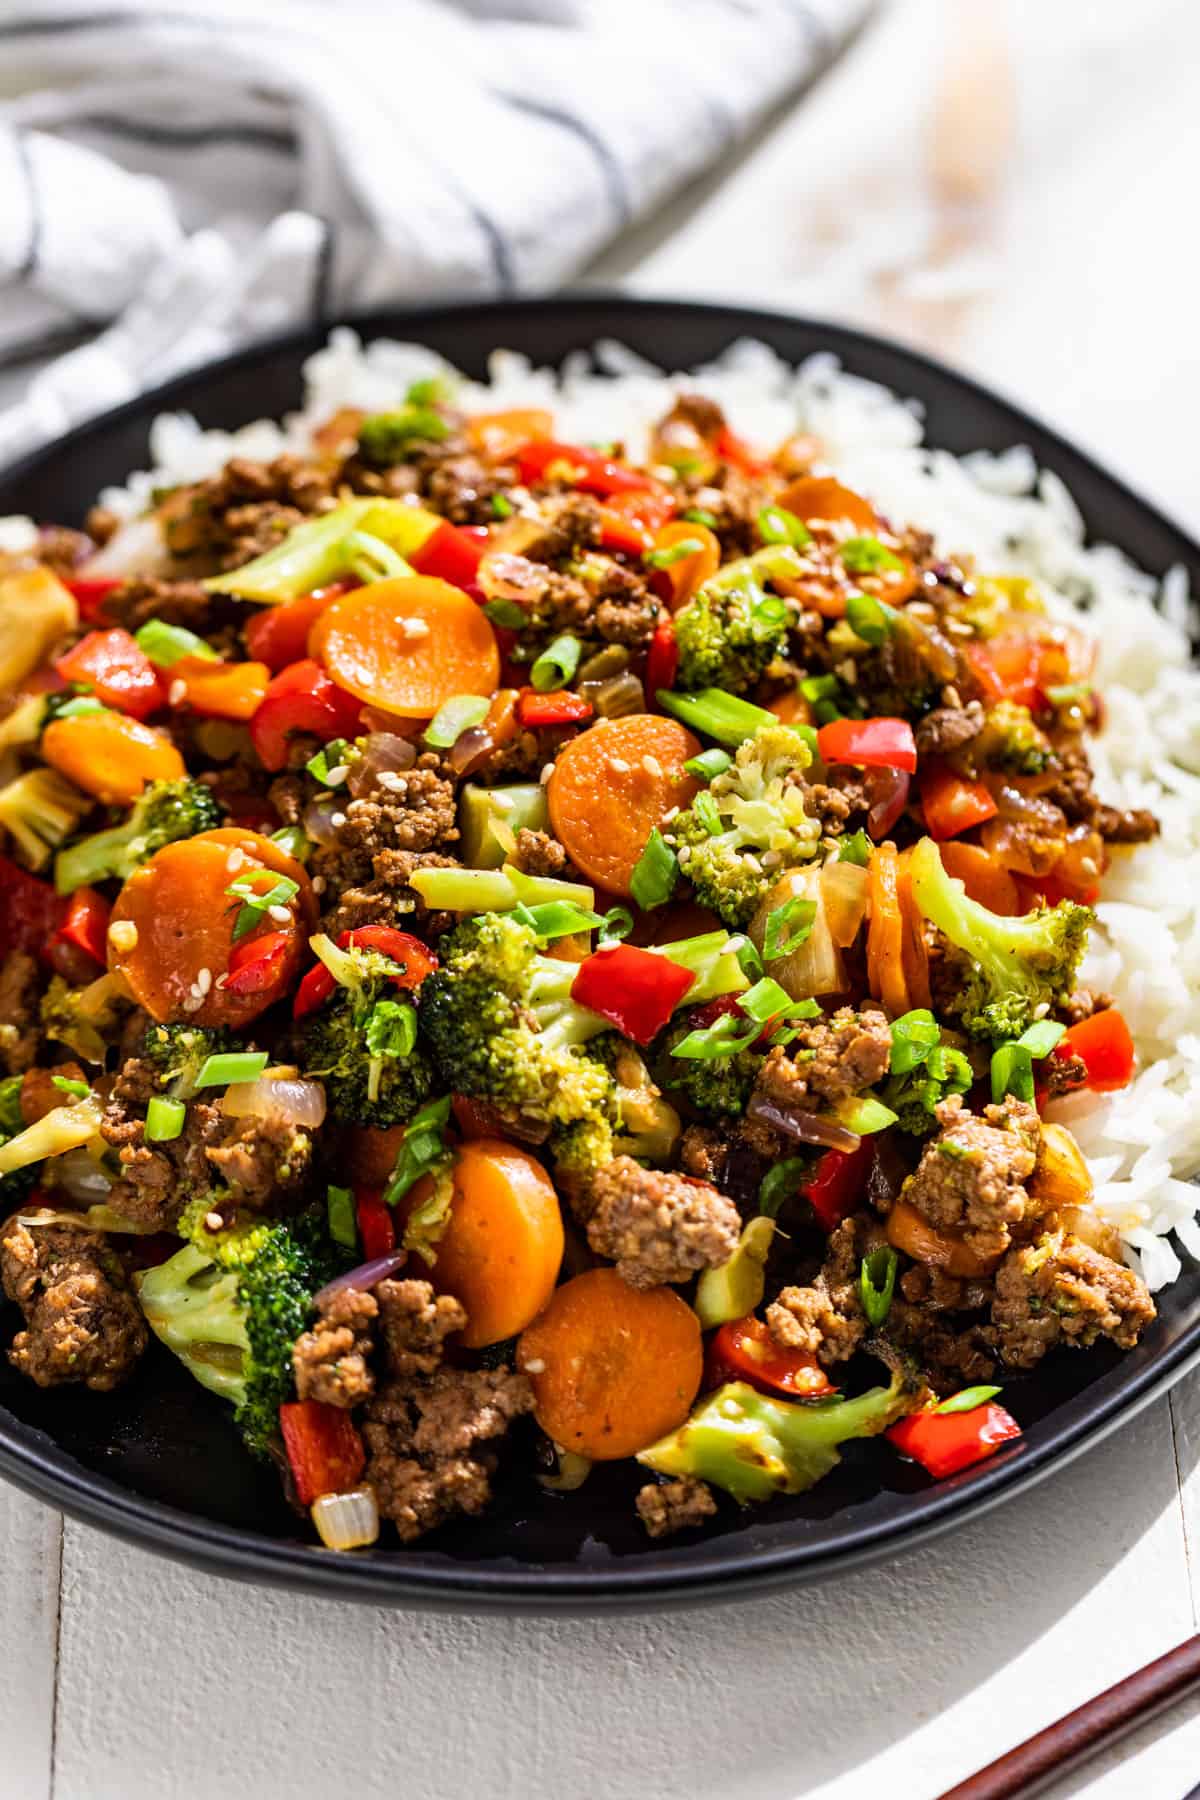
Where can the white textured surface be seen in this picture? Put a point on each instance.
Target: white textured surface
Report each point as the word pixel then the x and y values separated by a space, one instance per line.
pixel 152 1683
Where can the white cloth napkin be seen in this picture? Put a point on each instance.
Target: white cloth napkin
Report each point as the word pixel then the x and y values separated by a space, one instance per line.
pixel 180 176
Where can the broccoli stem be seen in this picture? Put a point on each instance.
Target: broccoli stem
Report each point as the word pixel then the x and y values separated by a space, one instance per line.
pixel 319 550
pixel 493 890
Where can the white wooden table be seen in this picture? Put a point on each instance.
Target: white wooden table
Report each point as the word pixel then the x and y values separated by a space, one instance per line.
pixel 1068 270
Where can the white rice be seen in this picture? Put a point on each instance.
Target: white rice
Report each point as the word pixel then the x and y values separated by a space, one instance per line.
pixel 1143 1143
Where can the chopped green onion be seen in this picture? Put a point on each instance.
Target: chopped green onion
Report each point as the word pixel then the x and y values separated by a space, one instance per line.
pixel 166 644
pixel 819 687
pixel 710 1043
pixel 432 390
pixel 700 515
pixel 705 809
pixel 506 613
pixel 616 925
pixel 951 1068
pixel 798 912
pixel 294 839
pixel 164 1119
pixel 1012 1073
pixel 502 507
pixel 867 556
pixel 557 664
pixel 282 891
pixel 749 961
pixel 709 764
pixel 78 1090
pixel 914 1035
pixel 456 715
pixel 76 708
pixel 371 559
pixel 1069 693
pixel 655 873
pixel 342 1227
pixel 967 1400
pixel 769 611
pixel 422 1149
pixel 855 848
pixel 869 618
pixel 877 1283
pixel 673 553
pixel 864 1114
pixel 328 766
pixel 1042 1037
pixel 782 1183
pixel 232 1065
pixel 556 919
pixel 776 525
pixel 717 714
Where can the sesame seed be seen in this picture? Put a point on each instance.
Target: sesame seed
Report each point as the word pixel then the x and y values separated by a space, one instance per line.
pixel 951 696
pixel 618 765
pixel 337 820
pixel 547 772
pixel 1041 1009
pixel 193 1003
pixel 334 776
pixel 234 860
pixel 736 942
pixel 684 856
pixel 753 864
pixel 196 992
pixel 414 629
pixel 667 817
pixel 222 980
pixel 535 1366
pixel 213 1221
pixel 123 934
pixel 502 802
pixel 177 692
pixel 203 980
pixel 771 859
pixel 318 884
pixel 389 780
pixel 280 914
pixel 652 767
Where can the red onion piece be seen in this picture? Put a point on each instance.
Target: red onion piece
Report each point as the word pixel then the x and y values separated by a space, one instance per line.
pixel 318 820
pixel 887 790
pixel 807 1127
pixel 469 749
pixel 383 752
pixel 365 1276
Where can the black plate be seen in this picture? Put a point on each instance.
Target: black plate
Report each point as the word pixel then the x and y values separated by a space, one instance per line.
pixel 159 1463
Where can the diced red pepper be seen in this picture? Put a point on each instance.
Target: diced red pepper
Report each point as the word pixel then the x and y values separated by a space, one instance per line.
pixel 30 910
pixel 324 1450
pixel 734 449
pixel 1049 889
pixel 451 554
pixel 628 522
pixel 314 990
pixel 744 1350
pixel 837 1181
pixel 587 469
pixel 1103 1043
pixel 871 743
pixel 662 660
pixel 86 924
pixel 951 803
pixel 633 989
pixel 1007 668
pixel 415 959
pixel 376 1224
pixel 91 593
pixel 944 1443
pixel 559 708
pixel 301 698
pixel 259 963
pixel 121 675
pixel 278 635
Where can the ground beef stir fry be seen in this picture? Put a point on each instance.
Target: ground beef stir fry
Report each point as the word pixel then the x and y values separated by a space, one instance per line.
pixel 523 954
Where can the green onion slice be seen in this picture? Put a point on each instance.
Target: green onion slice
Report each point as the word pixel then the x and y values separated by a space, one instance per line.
pixel 230 1066
pixel 506 613
pixel 502 506
pixel 166 644
pixel 556 919
pixel 783 1182
pixel 967 1400
pixel 1042 1037
pixel 78 1090
pixel 709 764
pixel 456 715
pixel 867 556
pixel 855 848
pixel 914 1035
pixel 869 618
pixel 776 525
pixel 655 874
pixel 254 904
pixel 342 1226
pixel 1012 1072
pixel 557 664
pixel 616 925
pixel 328 766
pixel 164 1119
pixel 422 1149
pixel 700 515
pixel 673 553
pixel 705 809
pixel 877 1283
pixel 788 926
pixel 717 714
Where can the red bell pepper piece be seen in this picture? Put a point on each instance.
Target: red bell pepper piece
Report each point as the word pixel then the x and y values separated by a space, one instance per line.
pixel 871 743
pixel 121 675
pixel 278 635
pixel 633 989
pixel 415 960
pixel 257 964
pixel 30 910
pixel 944 1443
pixel 1049 889
pixel 376 1225
pixel 735 450
pixel 587 469
pixel 836 1183
pixel 451 554
pixel 662 660
pixel 324 1450
pixel 1007 668
pixel 952 803
pixel 1104 1045
pixel 558 708
pixel 301 698
pixel 628 522
pixel 744 1350
pixel 86 924
pixel 91 593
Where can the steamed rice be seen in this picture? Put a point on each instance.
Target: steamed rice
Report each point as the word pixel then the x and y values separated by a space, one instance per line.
pixel 1144 1142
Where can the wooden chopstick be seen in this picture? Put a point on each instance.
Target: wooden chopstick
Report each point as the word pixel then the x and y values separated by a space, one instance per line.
pixel 1052 1753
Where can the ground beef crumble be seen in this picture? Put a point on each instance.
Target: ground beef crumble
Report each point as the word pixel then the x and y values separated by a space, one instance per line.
pixel 971 1176
pixel 81 1321
pixel 538 853
pixel 668 1506
pixel 826 1319
pixel 20 1031
pixel 330 1362
pixel 829 1060
pixel 659 1227
pixel 1059 1290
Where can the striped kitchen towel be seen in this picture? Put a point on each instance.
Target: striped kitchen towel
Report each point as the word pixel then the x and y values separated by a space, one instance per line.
pixel 179 176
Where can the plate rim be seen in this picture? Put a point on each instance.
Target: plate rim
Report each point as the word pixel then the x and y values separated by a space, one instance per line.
pixel 699 1573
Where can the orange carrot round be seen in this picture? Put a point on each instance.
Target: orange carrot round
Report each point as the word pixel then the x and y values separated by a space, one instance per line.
pixel 110 755
pixel 257 848
pixel 822 497
pixel 985 879
pixel 691 572
pixel 613 1368
pixel 503 1247
pixel 611 786
pixel 407 645
pixel 221 690
pixel 885 935
pixel 498 434
pixel 171 934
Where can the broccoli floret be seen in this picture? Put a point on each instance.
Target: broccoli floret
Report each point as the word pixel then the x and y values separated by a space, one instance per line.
pixel 83 1018
pixel 16 1187
pixel 39 811
pixel 754 1446
pixel 757 808
pixel 231 1304
pixel 729 639
pixel 650 1127
pixel 179 1052
pixel 358 1050
pixel 1011 741
pixel 914 1095
pixel 716 1088
pixel 1016 969
pixel 166 811
pixel 388 437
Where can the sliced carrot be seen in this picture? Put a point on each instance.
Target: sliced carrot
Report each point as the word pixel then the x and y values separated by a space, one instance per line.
pixel 258 848
pixel 914 951
pixel 613 1368
pixel 110 755
pixel 821 497
pixel 692 571
pixel 497 434
pixel 182 940
pixel 503 1247
pixel 221 690
pixel 909 1231
pixel 885 934
pixel 611 786
pixel 407 645
pixel 985 880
